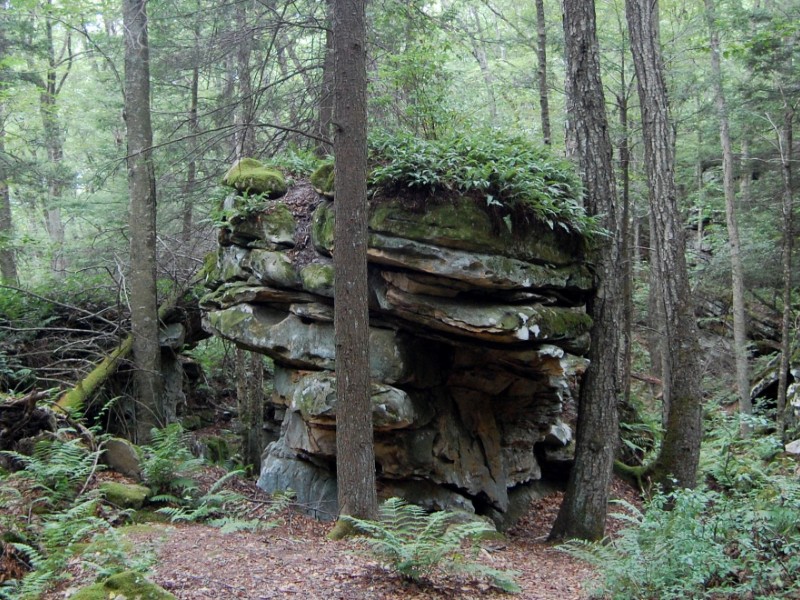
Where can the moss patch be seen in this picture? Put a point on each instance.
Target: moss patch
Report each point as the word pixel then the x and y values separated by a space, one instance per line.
pixel 128 585
pixel 317 278
pixel 323 179
pixel 322 228
pixel 249 175
pixel 125 495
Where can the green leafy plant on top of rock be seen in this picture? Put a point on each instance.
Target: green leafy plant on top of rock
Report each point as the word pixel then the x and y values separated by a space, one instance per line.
pixel 508 172
pixel 416 544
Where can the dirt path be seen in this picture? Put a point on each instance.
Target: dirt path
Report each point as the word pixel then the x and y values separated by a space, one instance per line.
pixel 295 560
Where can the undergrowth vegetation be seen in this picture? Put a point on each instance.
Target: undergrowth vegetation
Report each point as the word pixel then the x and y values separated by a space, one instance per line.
pixel 736 536
pixel 506 171
pixel 417 544
pixel 53 512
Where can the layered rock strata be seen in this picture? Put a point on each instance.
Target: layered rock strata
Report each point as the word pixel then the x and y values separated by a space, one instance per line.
pixel 472 333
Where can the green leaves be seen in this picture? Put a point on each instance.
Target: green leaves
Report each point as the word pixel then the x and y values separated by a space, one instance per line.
pixel 416 544
pixel 509 172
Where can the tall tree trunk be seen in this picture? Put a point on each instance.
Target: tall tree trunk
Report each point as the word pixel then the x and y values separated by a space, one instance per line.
pixel 583 511
pixel 49 90
pixel 680 450
pixel 541 71
pixel 355 464
pixel 142 191
pixel 480 54
pixel 190 185
pixel 787 210
pixel 326 93
pixel 250 397
pixel 734 247
pixel 245 131
pixel 8 260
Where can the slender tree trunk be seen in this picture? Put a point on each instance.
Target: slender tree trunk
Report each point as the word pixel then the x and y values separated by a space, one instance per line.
pixel 680 451
pixel 784 416
pixel 245 131
pixel 355 464
pixel 625 234
pixel 480 54
pixel 541 71
pixel 734 246
pixel 326 93
pixel 190 186
pixel 250 396
pixel 142 191
pixel 49 89
pixel 8 260
pixel 583 511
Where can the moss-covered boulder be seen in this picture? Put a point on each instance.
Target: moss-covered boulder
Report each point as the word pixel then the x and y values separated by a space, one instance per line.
pixel 125 495
pixel 323 179
pixel 128 585
pixel 249 175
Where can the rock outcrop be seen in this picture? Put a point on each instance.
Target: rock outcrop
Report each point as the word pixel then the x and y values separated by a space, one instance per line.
pixel 474 333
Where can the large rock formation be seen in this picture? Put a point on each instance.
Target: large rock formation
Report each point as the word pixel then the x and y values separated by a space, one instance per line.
pixel 473 334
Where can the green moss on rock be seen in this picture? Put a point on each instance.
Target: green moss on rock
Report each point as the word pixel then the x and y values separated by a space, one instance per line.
pixel 124 495
pixel 322 228
pixel 323 179
pixel 249 175
pixel 317 278
pixel 128 585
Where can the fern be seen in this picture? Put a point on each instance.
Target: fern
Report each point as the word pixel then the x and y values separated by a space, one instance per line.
pixel 57 467
pixel 416 544
pixel 168 464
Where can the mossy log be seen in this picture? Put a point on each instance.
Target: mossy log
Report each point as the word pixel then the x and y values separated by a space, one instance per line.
pixel 75 399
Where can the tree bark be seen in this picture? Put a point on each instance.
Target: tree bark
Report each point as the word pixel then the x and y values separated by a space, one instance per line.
pixel 326 93
pixel 680 451
pixel 142 192
pixel 583 511
pixel 250 398
pixel 784 416
pixel 541 71
pixel 355 464
pixel 8 261
pixel 734 245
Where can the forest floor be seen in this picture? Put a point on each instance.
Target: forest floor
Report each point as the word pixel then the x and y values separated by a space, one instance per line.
pixel 294 559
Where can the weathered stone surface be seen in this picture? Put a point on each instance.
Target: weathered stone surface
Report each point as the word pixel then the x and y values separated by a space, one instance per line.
pixel 273 225
pixel 317 278
pixel 314 486
pixel 498 323
pixel 290 341
pixel 475 342
pixel 478 270
pixel 461 223
pixel 272 268
pixel 121 456
pixel 125 495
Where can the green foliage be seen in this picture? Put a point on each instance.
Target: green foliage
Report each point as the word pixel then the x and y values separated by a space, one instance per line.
pixel 506 171
pixel 417 544
pixel 298 162
pixel 739 537
pixel 57 467
pixel 168 464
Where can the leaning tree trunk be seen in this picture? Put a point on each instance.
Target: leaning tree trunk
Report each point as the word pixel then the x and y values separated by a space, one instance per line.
pixel 680 451
pixel 355 454
pixel 583 510
pixel 142 191
pixel 734 247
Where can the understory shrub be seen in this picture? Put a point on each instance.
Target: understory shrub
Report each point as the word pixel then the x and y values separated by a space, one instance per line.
pixel 416 544
pixel 736 536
